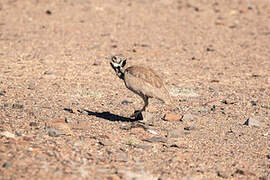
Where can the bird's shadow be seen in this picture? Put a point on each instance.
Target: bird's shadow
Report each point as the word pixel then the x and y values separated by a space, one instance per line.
pixel 111 117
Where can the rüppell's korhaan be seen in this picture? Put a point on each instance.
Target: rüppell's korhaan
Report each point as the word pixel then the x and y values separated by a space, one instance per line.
pixel 143 81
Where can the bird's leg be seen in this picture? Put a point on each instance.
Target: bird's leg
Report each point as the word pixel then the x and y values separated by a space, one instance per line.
pixel 136 113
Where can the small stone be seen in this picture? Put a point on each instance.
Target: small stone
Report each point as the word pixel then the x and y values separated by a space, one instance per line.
pixel 253 103
pixel 2 93
pixel 126 102
pixel 140 146
pixel 68 120
pixel 53 132
pixel 223 174
pixel 152 131
pixel 189 117
pixel 176 133
pixel 7 134
pixel 105 142
pixel 257 121
pixel 156 139
pixel 6 165
pixel 32 124
pixel 48 12
pixel 17 106
pixel 48 73
pixel 189 128
pixel 172 117
pixel 58 127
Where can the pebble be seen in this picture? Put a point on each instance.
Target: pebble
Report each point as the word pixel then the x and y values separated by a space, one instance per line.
pixel 53 132
pixel 105 142
pixel 253 103
pixel 189 117
pixel 172 117
pixel 2 93
pixel 176 133
pixel 7 134
pixel 6 164
pixel 57 127
pixel 17 106
pixel 256 121
pixel 68 120
pixel 223 174
pixel 189 128
pixel 156 139
pixel 32 124
pixel 126 102
pixel 48 73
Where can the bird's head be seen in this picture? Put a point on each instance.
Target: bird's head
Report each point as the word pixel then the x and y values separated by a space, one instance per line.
pixel 118 63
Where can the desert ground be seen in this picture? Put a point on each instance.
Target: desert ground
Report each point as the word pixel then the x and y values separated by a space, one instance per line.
pixel 64 114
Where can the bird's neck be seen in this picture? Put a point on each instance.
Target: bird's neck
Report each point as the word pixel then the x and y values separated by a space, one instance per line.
pixel 120 73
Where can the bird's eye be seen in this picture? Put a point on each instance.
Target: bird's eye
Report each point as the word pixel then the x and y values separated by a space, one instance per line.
pixel 114 58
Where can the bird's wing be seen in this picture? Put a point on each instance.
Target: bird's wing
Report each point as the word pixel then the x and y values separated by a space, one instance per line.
pixel 145 74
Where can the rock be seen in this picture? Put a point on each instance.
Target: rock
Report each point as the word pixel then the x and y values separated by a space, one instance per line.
pixel 253 103
pixel 17 106
pixel 48 12
pixel 142 146
pixel 172 117
pixel 2 93
pixel 176 133
pixel 267 106
pixel 68 120
pixel 105 142
pixel 32 124
pixel 223 174
pixel 126 102
pixel 48 73
pixel 189 117
pixel 6 164
pixel 189 128
pixel 152 131
pixel 155 139
pixel 7 134
pixel 58 127
pixel 53 132
pixel 257 121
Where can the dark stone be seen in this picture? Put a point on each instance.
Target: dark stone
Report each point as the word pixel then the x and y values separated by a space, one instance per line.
pixel 48 73
pixel 32 124
pixel 6 164
pixel 48 12
pixel 253 103
pixel 17 106
pixel 126 102
pixel 2 93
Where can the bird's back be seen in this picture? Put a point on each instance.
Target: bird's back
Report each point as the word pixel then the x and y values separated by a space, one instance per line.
pixel 145 81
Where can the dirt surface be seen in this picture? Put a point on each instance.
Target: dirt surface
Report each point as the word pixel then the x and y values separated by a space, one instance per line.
pixel 64 114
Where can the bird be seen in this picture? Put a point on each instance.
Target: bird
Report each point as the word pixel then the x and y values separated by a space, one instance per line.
pixel 143 81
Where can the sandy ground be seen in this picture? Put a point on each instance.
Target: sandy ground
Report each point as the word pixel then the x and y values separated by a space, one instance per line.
pixel 65 115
